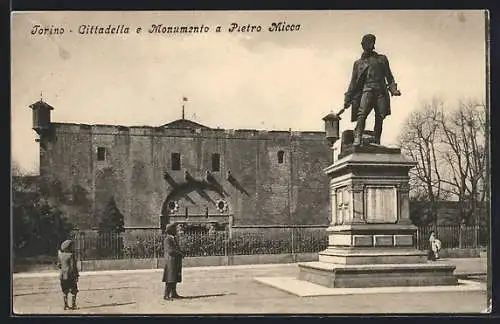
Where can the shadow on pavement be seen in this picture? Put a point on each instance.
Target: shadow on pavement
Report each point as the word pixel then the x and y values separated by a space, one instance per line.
pixel 106 305
pixel 80 290
pixel 205 296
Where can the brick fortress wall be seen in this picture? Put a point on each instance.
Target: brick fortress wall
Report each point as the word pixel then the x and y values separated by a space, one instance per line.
pixel 262 192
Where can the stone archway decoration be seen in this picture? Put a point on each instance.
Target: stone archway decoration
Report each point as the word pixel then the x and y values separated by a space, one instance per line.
pixel 222 205
pixel 181 190
pixel 173 206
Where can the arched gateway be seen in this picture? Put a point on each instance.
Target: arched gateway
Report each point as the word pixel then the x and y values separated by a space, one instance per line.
pixel 200 202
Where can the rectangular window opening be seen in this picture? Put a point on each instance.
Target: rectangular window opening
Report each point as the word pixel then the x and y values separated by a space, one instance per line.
pixel 281 156
pixel 216 162
pixel 176 161
pixel 101 154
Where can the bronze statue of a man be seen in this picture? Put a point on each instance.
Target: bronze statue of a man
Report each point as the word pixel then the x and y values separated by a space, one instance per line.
pixel 371 82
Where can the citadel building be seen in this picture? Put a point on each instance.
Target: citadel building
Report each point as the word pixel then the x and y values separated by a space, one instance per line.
pixel 185 171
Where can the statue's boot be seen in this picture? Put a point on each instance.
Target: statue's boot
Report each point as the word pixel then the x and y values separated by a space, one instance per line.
pixel 378 129
pixel 358 132
pixel 357 141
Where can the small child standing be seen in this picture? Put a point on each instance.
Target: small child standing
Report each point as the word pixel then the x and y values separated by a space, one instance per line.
pixel 436 248
pixel 431 255
pixel 68 272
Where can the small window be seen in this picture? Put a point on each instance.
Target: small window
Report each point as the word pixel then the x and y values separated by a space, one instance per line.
pixel 281 156
pixel 101 153
pixel 216 162
pixel 176 161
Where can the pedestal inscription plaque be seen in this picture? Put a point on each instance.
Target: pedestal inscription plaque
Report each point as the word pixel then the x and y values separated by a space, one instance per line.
pixel 381 204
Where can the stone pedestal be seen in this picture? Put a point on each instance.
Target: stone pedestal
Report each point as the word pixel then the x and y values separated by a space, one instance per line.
pixel 372 242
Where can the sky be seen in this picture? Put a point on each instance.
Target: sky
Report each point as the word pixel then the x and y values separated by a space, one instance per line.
pixel 260 80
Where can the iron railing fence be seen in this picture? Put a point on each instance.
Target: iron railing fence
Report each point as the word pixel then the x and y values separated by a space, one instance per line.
pixel 453 236
pixel 145 244
pixel 148 243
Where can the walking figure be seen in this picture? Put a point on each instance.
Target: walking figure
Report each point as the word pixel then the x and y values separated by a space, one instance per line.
pixel 68 273
pixel 172 273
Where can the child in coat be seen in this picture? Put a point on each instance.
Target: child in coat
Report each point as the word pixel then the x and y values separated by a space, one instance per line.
pixel 68 273
pixel 436 247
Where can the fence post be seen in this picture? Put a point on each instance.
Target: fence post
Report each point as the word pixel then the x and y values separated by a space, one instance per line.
pixel 159 255
pixel 461 230
pixel 417 243
pixel 82 250
pixel 476 231
pixel 229 240
pixel 293 246
pixel 155 255
pixel 226 244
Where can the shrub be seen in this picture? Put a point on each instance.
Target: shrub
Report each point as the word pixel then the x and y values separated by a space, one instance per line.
pixel 203 244
pixel 143 246
pixel 39 225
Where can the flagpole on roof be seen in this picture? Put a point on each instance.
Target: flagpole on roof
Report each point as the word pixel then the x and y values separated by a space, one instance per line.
pixel 184 99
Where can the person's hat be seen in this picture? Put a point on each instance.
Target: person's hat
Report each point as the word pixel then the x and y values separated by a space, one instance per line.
pixel 66 244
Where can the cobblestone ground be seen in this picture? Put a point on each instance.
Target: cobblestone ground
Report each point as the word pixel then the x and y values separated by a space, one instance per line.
pixel 222 290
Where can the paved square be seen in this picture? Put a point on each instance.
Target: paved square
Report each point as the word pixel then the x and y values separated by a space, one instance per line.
pixel 222 290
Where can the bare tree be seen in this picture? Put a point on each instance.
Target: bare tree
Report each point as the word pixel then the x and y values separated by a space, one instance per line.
pixel 20 180
pixel 450 147
pixel 420 140
pixel 464 134
pixel 15 169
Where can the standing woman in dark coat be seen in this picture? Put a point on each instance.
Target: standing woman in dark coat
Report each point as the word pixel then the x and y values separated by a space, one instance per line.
pixel 172 274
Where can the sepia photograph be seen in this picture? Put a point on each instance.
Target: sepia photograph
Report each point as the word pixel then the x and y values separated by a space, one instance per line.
pixel 250 162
